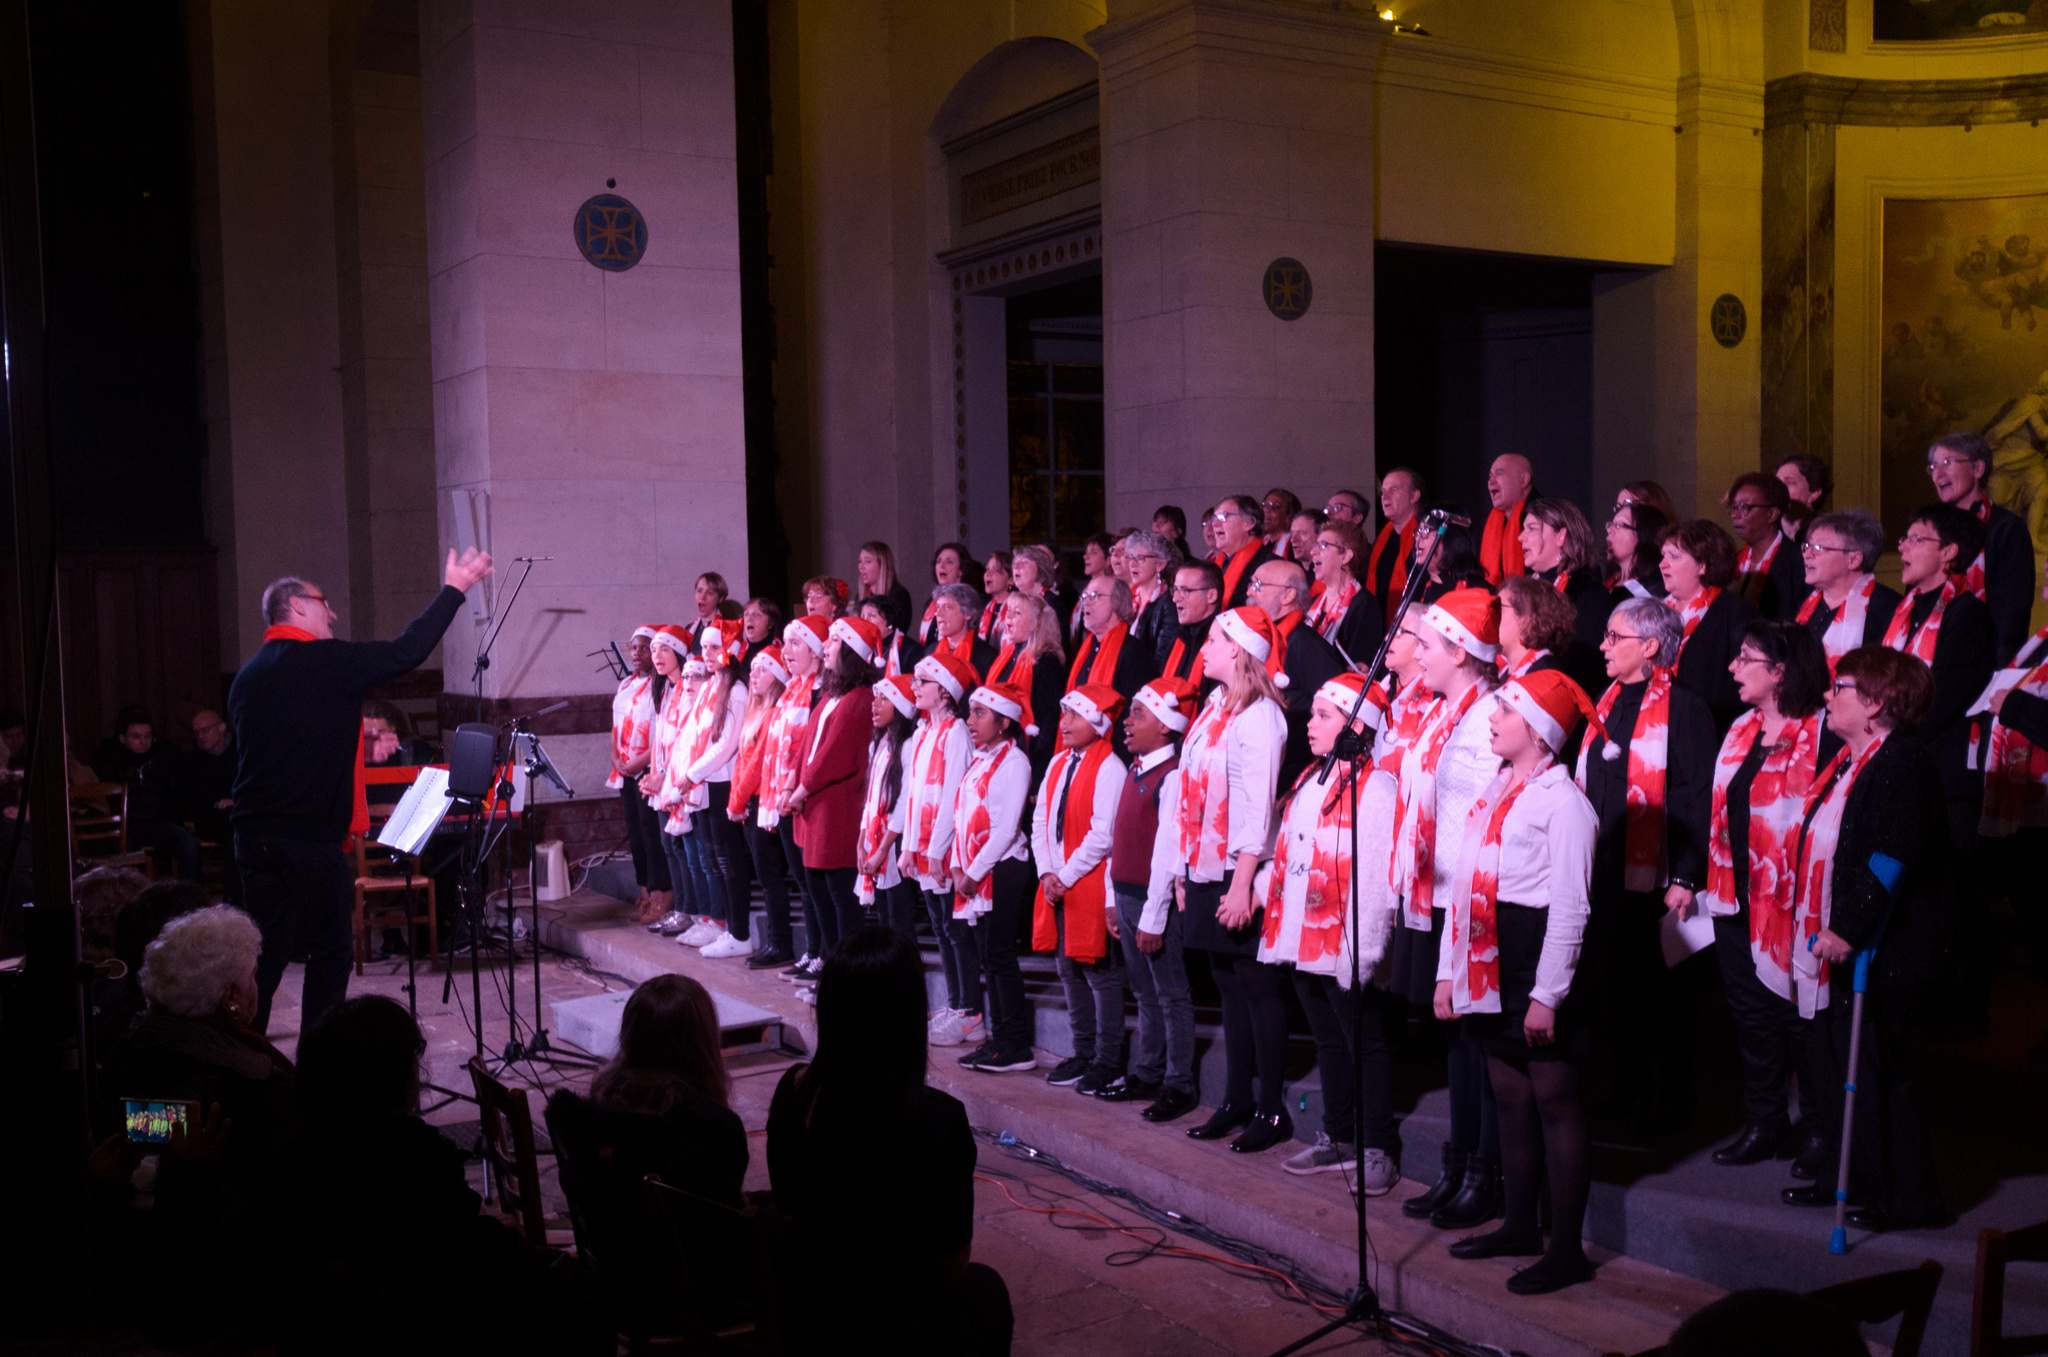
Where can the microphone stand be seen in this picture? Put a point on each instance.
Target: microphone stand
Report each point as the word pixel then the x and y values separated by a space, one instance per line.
pixel 538 764
pixel 1362 1303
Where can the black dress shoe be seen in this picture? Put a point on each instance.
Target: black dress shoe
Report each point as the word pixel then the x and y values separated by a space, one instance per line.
pixel 1441 1191
pixel 1551 1274
pixel 1478 1199
pixel 1264 1133
pixel 1221 1123
pixel 1878 1220
pixel 1753 1146
pixel 1809 1194
pixel 771 959
pixel 1498 1244
pixel 1126 1089
pixel 1811 1160
pixel 1173 1104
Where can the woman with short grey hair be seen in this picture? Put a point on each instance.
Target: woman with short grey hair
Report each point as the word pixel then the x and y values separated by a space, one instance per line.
pixel 1848 608
pixel 203 965
pixel 1151 560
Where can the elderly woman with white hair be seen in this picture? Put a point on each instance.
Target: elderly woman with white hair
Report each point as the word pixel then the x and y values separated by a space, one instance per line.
pixel 195 1043
pixel 1650 777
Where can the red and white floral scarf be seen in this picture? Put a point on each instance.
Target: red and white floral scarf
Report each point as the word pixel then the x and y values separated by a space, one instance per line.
pixel 1205 789
pixel 1412 872
pixel 1777 797
pixel 928 771
pixel 991 618
pixel 927 624
pixel 782 761
pixel 1692 611
pixel 1973 578
pixel 1748 562
pixel 2015 768
pixel 1406 711
pixel 973 794
pixel 874 819
pixel 632 723
pixel 1317 892
pixel 1845 632
pixel 1472 925
pixel 1919 644
pixel 1530 659
pixel 1649 751
pixel 1326 614
pixel 1814 871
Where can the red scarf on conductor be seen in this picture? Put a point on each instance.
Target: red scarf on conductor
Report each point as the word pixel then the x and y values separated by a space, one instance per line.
pixel 1649 750
pixel 359 818
pixel 1087 928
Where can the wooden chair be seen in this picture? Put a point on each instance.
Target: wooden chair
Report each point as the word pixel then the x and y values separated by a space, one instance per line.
pixel 1996 1248
pixel 389 879
pixel 1908 1293
pixel 725 1277
pixel 509 1154
pixel 99 827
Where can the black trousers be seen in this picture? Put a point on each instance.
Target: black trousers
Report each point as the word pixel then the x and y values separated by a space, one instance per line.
pixel 299 892
pixel 1334 1015
pixel 1771 1037
pixel 1644 1006
pixel 1010 1022
pixel 815 941
pixel 650 863
pixel 764 846
pixel 1890 1163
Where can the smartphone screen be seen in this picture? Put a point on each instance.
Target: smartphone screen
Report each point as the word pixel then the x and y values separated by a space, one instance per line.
pixel 149 1120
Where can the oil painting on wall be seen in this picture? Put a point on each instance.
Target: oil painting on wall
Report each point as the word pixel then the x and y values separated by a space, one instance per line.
pixel 1965 317
pixel 1940 20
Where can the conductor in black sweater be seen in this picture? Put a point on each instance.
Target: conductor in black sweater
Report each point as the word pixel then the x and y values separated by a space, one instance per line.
pixel 297 710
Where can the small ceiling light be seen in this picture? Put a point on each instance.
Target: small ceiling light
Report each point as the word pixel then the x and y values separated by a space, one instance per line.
pixel 1386 14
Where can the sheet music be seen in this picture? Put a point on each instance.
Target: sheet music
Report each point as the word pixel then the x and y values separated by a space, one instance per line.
pixel 2002 681
pixel 418 813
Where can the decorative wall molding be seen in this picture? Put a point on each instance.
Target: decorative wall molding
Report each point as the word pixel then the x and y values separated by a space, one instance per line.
pixel 1438 67
pixel 1845 102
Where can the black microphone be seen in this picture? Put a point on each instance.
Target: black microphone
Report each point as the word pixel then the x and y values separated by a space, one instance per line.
pixel 550 558
pixel 1440 515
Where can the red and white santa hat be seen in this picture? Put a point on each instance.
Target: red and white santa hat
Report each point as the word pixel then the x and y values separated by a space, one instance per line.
pixel 896 687
pixel 643 633
pixel 1342 693
pixel 949 671
pixel 1256 635
pixel 770 659
pixel 1552 705
pixel 1170 699
pixel 694 668
pixel 1007 699
pixel 721 642
pixel 807 629
pixel 673 638
pixel 859 635
pixel 1095 703
pixel 1470 618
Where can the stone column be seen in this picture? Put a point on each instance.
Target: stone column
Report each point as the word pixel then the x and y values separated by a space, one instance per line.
pixel 591 416
pixel 1235 133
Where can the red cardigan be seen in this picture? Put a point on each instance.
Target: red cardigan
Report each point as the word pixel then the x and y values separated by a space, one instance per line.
pixel 835 780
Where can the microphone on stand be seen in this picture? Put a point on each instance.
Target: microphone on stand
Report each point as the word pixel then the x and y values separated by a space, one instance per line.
pixel 1440 515
pixel 533 558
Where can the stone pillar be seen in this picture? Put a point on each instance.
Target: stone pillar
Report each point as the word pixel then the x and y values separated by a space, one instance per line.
pixel 1235 133
pixel 591 416
pixel 263 234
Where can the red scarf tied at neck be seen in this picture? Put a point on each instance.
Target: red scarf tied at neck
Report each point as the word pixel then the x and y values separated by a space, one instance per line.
pixel 359 819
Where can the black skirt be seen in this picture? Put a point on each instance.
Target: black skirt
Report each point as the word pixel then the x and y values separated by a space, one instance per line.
pixel 1411 959
pixel 1210 936
pixel 1521 929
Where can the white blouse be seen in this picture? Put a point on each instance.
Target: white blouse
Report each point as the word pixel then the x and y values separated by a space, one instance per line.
pixel 1251 749
pixel 931 774
pixel 1463 770
pixel 716 762
pixel 1048 840
pixel 1007 792
pixel 1546 862
pixel 891 874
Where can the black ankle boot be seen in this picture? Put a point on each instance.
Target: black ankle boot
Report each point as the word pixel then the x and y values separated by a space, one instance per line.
pixel 1441 1191
pixel 1477 1200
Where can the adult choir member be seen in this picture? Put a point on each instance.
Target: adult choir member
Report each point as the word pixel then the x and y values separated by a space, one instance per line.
pixel 1698 563
pixel 951 564
pixel 1848 608
pixel 1033 659
pixel 2013 833
pixel 1229 771
pixel 1519 902
pixel 2001 572
pixel 1239 549
pixel 1150 559
pixel 1767 568
pixel 1386 570
pixel 1941 624
pixel 1280 590
pixel 1558 548
pixel 1345 614
pixel 1443 770
pixel 1634 566
pixel 1277 508
pixel 955 608
pixel 1104 652
pixel 1761 776
pixel 1536 626
pixel 1879 795
pixel 1508 485
pixel 874 574
pixel 1648 770
pixel 1807 480
pixel 997 582
pixel 1197 595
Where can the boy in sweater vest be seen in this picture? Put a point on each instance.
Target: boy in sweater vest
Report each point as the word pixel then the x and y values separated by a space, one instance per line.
pixel 1162 1068
pixel 1070 840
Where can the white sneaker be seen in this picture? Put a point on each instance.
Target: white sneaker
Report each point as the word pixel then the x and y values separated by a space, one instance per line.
pixel 726 945
pixel 973 1031
pixel 945 1027
pixel 809 994
pixel 701 932
pixel 1382 1174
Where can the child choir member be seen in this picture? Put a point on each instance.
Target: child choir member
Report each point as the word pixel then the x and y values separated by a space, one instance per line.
pixel 989 867
pixel 936 760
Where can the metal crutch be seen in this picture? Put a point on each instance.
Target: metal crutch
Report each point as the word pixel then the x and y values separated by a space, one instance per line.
pixel 1888 870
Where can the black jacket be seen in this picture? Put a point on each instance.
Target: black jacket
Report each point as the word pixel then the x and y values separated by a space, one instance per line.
pixel 1157 621
pixel 1876 618
pixel 2024 712
pixel 1688 789
pixel 1362 629
pixel 1190 638
pixel 1048 686
pixel 1895 808
pixel 1703 663
pixel 297 710
pixel 151 779
pixel 1962 667
pixel 1592 604
pixel 1310 663
pixel 1244 582
pixel 1135 667
pixel 2008 581
pixel 1778 592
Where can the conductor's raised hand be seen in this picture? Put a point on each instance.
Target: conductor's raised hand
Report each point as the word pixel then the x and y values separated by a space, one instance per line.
pixel 465 570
